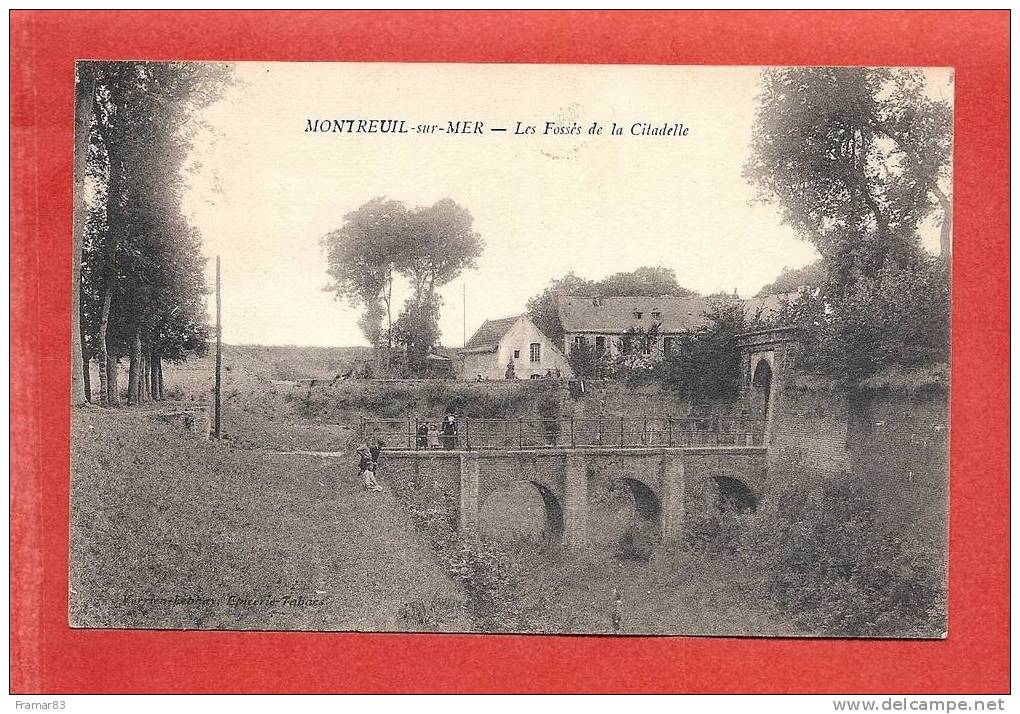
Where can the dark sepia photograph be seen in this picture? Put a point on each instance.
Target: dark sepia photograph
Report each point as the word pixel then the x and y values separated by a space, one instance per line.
pixel 492 348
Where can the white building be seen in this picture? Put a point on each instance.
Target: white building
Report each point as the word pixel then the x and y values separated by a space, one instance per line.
pixel 511 340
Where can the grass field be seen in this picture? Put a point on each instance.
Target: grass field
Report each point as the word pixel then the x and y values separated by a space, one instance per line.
pixel 174 532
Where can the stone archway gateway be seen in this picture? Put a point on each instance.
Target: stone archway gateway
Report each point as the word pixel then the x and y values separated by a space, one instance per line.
pixel 762 356
pixel 761 389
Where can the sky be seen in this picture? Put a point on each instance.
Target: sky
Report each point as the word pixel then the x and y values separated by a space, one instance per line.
pixel 263 190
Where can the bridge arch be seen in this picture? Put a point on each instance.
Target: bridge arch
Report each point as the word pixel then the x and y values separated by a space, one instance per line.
pixel 734 495
pixel 553 509
pixel 510 510
pixel 646 501
pixel 761 385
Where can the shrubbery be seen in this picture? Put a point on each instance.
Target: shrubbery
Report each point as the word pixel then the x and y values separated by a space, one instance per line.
pixel 487 570
pixel 706 362
pixel 828 564
pixel 703 363
pixel 896 318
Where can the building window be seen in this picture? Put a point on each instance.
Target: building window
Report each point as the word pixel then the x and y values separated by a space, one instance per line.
pixel 669 344
pixel 600 343
pixel 579 340
pixel 517 354
pixel 656 314
pixel 536 352
pixel 646 345
pixel 638 314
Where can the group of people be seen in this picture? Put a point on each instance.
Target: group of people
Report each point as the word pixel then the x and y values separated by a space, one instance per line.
pixel 431 437
pixel 368 463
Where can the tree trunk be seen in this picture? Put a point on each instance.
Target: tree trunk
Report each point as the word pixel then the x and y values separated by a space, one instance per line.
pixel 107 396
pixel 113 391
pixel 147 374
pixel 389 314
pixel 143 378
pixel 84 91
pixel 159 376
pixel 112 226
pixel 86 376
pixel 946 236
pixel 134 367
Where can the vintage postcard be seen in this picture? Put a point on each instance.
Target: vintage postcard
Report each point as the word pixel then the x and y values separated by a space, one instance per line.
pixel 552 349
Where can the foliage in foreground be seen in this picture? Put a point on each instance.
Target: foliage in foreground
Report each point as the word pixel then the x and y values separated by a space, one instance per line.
pixel 487 570
pixel 829 566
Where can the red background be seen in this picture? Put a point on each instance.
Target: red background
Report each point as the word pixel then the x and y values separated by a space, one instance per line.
pixel 47 656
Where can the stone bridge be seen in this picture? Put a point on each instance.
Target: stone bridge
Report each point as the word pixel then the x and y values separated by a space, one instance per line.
pixel 666 482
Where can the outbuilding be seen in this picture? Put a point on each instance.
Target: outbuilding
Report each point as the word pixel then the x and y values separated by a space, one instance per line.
pixel 516 341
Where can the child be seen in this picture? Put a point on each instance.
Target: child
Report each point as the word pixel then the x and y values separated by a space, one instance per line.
pixel 433 437
pixel 369 475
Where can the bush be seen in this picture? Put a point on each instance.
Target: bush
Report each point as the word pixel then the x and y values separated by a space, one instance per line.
pixel 549 411
pixel 828 564
pixel 639 542
pixel 588 362
pixel 489 577
pixel 705 364
pixel 898 317
pixel 486 570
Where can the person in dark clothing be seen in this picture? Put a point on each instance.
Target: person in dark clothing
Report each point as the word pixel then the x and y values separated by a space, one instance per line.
pixel 422 439
pixel 449 432
pixel 368 462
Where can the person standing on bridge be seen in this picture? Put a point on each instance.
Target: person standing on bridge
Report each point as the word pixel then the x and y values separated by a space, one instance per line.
pixel 450 432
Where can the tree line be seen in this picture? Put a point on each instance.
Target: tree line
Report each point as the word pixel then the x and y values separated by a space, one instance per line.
pixel 138 288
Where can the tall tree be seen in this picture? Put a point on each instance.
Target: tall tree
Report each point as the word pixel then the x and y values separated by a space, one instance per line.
pixel 144 121
pixel 441 244
pixel 856 158
pixel 429 246
pixel 790 280
pixel 85 88
pixel 360 259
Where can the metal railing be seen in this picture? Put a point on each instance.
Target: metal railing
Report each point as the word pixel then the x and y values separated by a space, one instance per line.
pixel 472 434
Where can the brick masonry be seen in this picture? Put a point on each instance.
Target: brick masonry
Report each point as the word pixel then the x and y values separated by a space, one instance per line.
pixel 576 481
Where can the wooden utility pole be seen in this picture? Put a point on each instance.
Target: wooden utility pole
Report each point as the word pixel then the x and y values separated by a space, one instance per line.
pixel 219 340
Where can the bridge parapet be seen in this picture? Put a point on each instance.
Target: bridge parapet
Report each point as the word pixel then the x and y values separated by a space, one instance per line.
pixel 473 434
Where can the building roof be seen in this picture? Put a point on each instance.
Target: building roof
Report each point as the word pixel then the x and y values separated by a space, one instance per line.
pixel 487 337
pixel 615 315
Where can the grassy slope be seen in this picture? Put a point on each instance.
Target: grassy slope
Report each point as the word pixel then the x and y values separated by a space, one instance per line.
pixel 156 513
